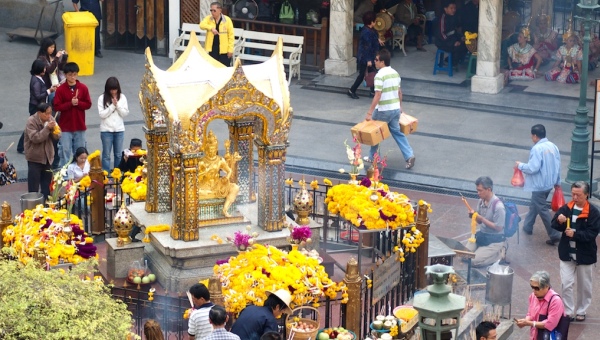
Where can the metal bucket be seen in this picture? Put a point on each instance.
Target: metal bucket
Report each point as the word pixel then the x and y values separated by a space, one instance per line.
pixel 498 290
pixel 31 199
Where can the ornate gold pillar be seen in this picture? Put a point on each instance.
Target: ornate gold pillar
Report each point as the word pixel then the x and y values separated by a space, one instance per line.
pixel 5 220
pixel 158 195
pixel 271 175
pixel 97 205
pixel 241 133
pixel 185 202
pixel 423 250
pixel 353 307
pixel 214 288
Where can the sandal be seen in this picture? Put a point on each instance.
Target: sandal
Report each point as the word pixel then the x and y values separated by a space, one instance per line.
pixel 580 317
pixel 410 163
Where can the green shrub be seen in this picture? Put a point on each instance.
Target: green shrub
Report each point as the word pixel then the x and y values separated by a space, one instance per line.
pixel 38 304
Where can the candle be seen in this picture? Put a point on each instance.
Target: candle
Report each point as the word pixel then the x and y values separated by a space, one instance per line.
pixel 568 223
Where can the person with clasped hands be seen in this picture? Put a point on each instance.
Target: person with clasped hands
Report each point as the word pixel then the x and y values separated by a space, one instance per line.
pixel 542 301
pixel 579 223
pixel 39 149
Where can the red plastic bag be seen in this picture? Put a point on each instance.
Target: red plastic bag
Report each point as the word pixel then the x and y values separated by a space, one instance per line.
pixel 558 199
pixel 517 180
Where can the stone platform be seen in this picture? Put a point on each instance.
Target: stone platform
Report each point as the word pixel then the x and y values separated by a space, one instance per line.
pixel 178 264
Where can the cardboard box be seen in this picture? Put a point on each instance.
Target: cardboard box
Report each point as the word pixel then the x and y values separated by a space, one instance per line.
pixel 408 123
pixel 370 132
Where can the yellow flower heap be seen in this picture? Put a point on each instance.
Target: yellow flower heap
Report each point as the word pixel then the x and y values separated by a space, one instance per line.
pixel 372 209
pixel 470 36
pixel 135 184
pixel 44 229
pixel 248 276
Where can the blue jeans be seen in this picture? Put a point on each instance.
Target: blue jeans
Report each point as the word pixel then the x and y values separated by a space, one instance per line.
pixel 69 142
pixel 392 118
pixel 114 141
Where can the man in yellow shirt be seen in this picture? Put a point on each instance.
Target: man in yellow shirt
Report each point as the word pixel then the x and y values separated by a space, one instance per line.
pixel 219 34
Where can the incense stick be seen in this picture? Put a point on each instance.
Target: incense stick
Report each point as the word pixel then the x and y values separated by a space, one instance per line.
pixel 10 146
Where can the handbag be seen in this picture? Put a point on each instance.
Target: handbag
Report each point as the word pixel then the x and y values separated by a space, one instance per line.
pixel 562 328
pixel 370 76
pixel 558 199
pixel 517 180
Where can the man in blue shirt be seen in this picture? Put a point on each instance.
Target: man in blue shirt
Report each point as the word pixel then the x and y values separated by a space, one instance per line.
pixel 542 173
pixel 92 6
pixel 254 321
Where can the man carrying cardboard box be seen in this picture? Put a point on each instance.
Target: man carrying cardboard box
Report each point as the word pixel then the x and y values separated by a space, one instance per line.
pixel 386 105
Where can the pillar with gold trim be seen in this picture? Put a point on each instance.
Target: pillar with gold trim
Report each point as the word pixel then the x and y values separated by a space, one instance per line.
pixel 271 175
pixel 185 196
pixel 98 223
pixel 423 251
pixel 353 307
pixel 158 195
pixel 241 133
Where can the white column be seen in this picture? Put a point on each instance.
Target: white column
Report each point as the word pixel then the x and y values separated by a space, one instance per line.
pixel 488 78
pixel 205 8
pixel 340 61
pixel 174 25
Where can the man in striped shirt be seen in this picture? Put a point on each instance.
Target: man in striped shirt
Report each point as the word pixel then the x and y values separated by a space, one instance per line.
pixel 198 326
pixel 387 105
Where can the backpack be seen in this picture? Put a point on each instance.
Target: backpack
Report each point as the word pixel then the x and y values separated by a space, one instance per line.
pixel 511 219
pixel 286 13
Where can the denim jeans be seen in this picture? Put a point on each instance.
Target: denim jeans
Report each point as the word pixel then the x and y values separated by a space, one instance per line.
pixel 69 142
pixel 114 141
pixel 392 118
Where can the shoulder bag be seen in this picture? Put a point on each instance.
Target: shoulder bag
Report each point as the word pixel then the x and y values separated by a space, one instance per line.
pixel 562 327
pixel 370 76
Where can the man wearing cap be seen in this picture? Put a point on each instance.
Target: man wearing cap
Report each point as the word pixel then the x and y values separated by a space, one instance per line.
pixel 199 326
pixel 254 321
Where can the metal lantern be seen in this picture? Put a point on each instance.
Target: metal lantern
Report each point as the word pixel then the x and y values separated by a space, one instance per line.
pixel 303 203
pixel 588 4
pixel 439 310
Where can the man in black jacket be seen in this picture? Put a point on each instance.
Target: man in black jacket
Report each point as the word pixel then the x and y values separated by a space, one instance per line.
pixel 579 222
pixel 448 36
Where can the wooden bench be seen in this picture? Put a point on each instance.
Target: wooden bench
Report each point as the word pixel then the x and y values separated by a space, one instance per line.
pixel 182 41
pixel 259 46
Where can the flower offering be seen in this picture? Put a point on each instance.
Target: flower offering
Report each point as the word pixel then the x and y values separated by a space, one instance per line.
pixel 248 276
pixel 299 234
pixel 242 240
pixel 135 184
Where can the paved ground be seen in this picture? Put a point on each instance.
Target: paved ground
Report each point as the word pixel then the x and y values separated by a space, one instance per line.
pixel 461 136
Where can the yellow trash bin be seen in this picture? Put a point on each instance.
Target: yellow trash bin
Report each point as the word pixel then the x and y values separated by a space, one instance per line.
pixel 80 33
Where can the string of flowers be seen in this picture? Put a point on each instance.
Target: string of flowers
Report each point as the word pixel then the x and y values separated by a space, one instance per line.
pixel 216 238
pixel 154 229
pixel 44 229
pixel 355 204
pixel 247 277
pixel 354 157
pixel 135 184
pixel 58 182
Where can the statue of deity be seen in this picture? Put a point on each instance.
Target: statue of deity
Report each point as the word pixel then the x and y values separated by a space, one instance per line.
pixel 214 173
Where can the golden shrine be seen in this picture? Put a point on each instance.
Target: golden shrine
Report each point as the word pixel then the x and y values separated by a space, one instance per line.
pixel 184 171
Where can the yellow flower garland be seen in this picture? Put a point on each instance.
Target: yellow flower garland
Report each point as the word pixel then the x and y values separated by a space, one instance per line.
pixel 93 155
pixel 130 185
pixel 32 231
pixel 248 276
pixel 473 227
pixel 355 203
pixel 154 229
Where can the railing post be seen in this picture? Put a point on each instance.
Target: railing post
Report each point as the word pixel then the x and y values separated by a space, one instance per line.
pixel 354 282
pixel 97 190
pixel 214 288
pixel 323 47
pixel 423 250
pixel 5 220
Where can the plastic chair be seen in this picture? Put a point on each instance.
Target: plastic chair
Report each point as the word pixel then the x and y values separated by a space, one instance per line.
pixel 399 35
pixel 439 60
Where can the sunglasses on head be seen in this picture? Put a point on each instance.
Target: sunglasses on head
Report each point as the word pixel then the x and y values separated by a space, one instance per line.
pixel 535 288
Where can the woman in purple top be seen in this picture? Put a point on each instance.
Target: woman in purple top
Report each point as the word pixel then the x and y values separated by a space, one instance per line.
pixel 368 46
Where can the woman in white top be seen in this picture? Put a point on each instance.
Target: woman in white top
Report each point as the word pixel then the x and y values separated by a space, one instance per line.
pixel 112 106
pixel 79 167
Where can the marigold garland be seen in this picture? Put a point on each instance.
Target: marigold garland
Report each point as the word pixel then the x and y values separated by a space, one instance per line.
pixel 246 278
pixel 371 209
pixel 473 227
pixel 93 155
pixel 154 229
pixel 44 229
pixel 135 184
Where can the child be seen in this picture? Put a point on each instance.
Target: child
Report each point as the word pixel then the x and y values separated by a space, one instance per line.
pixel 129 160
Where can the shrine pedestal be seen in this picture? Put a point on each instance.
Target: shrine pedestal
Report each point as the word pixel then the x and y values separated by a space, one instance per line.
pixel 118 259
pixel 179 264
